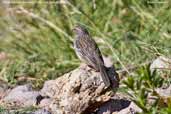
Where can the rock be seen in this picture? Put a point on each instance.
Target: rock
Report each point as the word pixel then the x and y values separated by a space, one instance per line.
pixel 49 88
pixel 21 96
pixel 164 95
pixel 41 111
pixel 78 92
pixel 118 104
pixel 165 92
pixel 45 102
pixel 161 63
pixel 131 109
pixel 113 105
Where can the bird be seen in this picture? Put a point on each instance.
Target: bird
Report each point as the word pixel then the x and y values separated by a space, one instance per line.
pixel 88 52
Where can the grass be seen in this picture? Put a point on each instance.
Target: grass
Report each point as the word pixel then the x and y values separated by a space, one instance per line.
pixel 38 39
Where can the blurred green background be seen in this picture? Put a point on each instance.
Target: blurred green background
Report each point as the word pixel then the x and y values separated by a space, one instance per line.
pixel 36 41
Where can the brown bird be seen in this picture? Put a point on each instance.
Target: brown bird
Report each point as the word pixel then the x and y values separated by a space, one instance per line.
pixel 88 52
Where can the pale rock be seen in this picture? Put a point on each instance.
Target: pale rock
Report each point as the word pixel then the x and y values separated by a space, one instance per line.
pixel 21 96
pixel 161 63
pixel 79 91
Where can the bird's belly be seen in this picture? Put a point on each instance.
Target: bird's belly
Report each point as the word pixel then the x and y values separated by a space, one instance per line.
pixel 80 56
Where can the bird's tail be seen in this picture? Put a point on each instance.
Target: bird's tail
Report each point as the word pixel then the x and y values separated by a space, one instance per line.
pixel 104 75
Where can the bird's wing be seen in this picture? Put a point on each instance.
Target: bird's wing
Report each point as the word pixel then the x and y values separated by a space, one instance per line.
pixel 89 51
pixel 95 51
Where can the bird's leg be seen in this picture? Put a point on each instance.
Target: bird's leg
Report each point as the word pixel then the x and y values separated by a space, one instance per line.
pixel 87 67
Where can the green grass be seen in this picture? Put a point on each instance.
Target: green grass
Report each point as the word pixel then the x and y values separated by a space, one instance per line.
pixel 38 39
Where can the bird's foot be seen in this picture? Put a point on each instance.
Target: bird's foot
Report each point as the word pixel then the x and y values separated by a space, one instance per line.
pixel 85 67
pixel 88 68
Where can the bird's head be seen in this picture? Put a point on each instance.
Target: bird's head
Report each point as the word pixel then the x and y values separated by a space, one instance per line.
pixel 80 30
